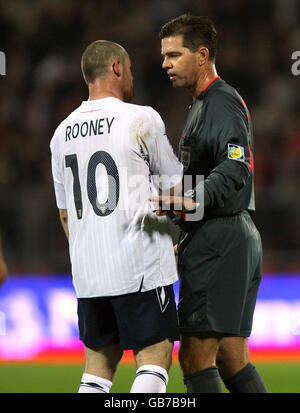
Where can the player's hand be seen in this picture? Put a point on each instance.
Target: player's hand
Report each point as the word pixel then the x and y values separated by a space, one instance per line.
pixel 175 249
pixel 176 204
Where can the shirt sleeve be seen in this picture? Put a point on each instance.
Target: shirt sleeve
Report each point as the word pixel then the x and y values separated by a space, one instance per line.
pixel 163 163
pixel 229 147
pixel 59 188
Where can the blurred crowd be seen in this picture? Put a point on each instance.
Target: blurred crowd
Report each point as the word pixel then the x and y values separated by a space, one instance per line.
pixel 43 41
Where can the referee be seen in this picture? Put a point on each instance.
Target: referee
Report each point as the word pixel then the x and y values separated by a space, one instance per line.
pixel 220 255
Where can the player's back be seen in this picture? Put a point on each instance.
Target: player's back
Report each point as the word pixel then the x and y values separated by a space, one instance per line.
pixel 101 157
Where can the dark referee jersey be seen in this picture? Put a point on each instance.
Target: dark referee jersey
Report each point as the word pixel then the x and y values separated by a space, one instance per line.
pixel 217 142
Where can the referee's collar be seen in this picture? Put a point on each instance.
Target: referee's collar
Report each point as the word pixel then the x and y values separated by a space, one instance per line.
pixel 209 83
pixel 207 87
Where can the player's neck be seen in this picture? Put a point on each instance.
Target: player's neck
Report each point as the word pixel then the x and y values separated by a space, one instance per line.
pixel 205 78
pixel 101 90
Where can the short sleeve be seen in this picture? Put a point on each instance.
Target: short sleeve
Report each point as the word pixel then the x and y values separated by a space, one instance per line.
pixel 57 177
pixel 163 162
pixel 229 140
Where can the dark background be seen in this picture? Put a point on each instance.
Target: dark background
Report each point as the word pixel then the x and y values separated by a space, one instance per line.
pixel 43 42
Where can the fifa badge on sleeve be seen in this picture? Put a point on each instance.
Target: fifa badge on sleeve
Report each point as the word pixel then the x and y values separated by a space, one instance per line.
pixel 236 152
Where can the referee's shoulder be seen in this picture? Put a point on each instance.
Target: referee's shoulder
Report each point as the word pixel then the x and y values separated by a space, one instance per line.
pixel 225 98
pixel 223 92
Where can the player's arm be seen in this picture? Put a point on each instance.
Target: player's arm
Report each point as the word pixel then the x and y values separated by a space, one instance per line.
pixel 163 163
pixel 63 216
pixel 3 266
pixel 59 189
pixel 175 249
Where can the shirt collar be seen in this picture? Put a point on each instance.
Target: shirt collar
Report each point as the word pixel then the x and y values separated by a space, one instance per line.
pixel 97 101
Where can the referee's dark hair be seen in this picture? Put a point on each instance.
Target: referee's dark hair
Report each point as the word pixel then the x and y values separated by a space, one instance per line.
pixel 196 31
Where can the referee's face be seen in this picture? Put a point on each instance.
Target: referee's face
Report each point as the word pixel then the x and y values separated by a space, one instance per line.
pixel 180 63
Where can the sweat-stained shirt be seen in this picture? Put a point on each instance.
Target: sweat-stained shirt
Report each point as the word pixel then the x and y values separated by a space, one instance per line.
pixel 105 156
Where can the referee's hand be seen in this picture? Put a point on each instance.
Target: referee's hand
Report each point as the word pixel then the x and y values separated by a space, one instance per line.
pixel 176 204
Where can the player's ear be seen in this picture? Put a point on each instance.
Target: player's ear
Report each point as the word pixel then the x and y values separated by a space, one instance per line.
pixel 117 68
pixel 202 55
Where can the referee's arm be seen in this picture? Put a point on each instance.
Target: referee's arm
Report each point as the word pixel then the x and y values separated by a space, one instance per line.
pixel 230 174
pixel 228 145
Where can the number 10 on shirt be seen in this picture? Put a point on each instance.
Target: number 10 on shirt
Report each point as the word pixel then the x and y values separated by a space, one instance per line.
pixel 98 158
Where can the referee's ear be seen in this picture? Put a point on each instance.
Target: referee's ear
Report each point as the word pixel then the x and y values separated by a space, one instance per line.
pixel 202 55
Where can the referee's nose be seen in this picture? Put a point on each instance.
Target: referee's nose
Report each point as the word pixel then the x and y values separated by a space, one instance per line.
pixel 166 64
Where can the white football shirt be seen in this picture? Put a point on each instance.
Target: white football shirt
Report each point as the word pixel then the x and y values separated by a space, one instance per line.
pixel 106 156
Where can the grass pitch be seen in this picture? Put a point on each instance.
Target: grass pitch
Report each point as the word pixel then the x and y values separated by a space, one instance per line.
pixel 64 378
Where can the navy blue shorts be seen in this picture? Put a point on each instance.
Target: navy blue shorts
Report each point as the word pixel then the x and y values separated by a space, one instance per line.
pixel 135 320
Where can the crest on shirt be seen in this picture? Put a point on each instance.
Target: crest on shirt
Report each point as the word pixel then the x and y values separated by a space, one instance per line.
pixel 236 152
pixel 185 156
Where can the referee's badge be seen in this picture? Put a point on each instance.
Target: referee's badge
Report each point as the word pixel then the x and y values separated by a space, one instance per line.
pixel 236 152
pixel 185 156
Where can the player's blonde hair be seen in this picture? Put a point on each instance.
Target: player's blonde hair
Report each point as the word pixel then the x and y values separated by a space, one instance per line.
pixel 97 58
